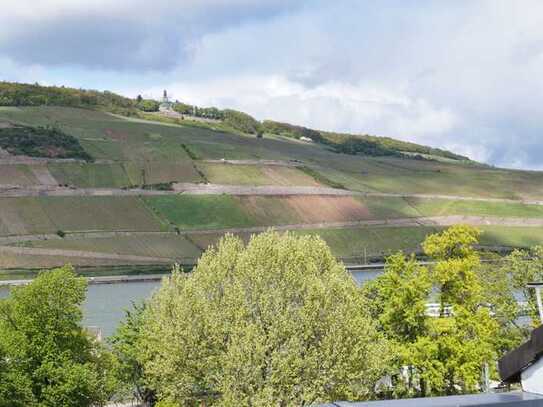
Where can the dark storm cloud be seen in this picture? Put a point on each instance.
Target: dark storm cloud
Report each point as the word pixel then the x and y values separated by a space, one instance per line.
pixel 127 38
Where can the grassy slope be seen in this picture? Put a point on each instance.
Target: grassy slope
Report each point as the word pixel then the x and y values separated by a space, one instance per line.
pixel 109 137
pixel 199 212
pixel 17 175
pixel 169 246
pixel 37 215
pixel 255 175
pixel 439 207
pixel 155 152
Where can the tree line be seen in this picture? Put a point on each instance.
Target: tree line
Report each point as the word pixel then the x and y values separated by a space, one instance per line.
pixel 276 321
pixel 20 94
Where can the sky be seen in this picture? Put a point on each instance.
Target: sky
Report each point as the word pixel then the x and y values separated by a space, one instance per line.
pixel 461 75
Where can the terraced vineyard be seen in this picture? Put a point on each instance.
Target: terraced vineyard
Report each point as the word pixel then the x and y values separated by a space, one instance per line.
pixel 124 207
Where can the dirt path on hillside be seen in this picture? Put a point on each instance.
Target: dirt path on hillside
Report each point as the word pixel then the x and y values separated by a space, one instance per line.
pixel 452 197
pixel 182 188
pixel 400 222
pixel 217 189
pixel 277 163
pixel 8 190
pixel 437 221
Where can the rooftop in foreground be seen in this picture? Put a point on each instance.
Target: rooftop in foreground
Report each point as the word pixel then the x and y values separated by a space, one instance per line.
pixel 509 399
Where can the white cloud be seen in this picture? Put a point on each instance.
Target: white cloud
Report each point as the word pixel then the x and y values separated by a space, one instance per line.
pixel 460 75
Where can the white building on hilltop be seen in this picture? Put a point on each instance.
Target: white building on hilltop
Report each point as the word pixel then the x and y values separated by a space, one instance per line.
pixel 165 104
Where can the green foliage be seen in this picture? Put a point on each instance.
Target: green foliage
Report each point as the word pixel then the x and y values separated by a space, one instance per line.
pixel 241 121
pixel 46 358
pixel 161 186
pixel 321 178
pixel 354 145
pixel 357 144
pixel 49 142
pixel 526 266
pixel 190 153
pixel 20 94
pixel 442 354
pixel 125 346
pixel 183 108
pixel 278 322
pixel 204 112
pixel 289 130
pixel 200 211
pixel 148 105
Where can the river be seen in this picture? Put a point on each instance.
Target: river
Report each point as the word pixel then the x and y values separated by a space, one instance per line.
pixel 106 304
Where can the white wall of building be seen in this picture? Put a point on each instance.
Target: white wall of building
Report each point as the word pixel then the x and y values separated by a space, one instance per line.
pixel 532 378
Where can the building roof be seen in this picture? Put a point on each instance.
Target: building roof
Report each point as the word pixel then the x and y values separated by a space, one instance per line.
pixel 514 362
pixel 509 399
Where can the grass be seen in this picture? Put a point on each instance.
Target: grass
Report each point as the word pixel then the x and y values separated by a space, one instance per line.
pixel 17 175
pixel 16 261
pixel 255 175
pixel 99 213
pixel 200 211
pixel 167 246
pixel 107 137
pixel 38 215
pixel 371 242
pixel 389 207
pixel 142 152
pixel 90 175
pixel 512 236
pixel 441 207
pixel 321 178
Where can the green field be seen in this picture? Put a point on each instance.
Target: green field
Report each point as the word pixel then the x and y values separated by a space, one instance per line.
pixel 255 175
pixel 199 211
pixel 17 261
pixel 511 236
pixel 39 215
pixel 108 137
pixel 166 246
pixel 17 175
pixel 90 175
pixel 135 152
pixel 441 207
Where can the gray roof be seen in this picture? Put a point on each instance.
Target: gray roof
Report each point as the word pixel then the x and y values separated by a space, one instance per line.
pixel 510 399
pixel 514 362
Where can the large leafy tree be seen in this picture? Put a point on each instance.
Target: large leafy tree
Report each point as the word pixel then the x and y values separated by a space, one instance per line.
pixel 46 358
pixel 125 346
pixel 277 322
pixel 526 266
pixel 443 352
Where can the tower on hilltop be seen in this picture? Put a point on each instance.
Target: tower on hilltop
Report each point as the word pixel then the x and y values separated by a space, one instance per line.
pixel 165 103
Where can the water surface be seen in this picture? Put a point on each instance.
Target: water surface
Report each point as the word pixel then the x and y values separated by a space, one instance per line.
pixel 106 304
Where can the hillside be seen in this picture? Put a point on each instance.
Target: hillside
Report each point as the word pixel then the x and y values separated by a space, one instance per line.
pixel 15 94
pixel 140 192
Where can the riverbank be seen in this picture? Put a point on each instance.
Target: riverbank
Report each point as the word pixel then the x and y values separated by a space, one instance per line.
pixel 139 277
pixel 143 278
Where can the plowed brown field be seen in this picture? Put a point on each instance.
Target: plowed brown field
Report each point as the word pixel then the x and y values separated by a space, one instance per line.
pixel 303 209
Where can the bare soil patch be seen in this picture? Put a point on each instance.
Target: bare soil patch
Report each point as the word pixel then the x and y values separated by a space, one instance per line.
pixel 327 208
pixel 288 176
pixel 117 135
pixel 42 174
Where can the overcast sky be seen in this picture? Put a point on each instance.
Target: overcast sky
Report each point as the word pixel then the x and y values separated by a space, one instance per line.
pixel 463 75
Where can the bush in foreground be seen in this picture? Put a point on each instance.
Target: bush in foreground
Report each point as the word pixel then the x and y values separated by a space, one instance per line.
pixel 46 358
pixel 276 322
